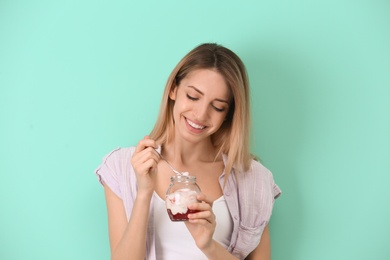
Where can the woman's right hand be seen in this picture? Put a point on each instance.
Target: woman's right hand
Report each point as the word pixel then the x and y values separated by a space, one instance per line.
pixel 144 162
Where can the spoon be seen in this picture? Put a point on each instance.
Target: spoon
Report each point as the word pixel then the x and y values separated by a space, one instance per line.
pixel 173 169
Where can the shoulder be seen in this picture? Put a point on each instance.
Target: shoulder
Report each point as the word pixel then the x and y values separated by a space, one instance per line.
pixel 257 189
pixel 119 153
pixel 119 156
pixel 114 163
pixel 256 173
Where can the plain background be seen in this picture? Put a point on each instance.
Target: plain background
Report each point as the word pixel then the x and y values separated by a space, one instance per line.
pixel 80 78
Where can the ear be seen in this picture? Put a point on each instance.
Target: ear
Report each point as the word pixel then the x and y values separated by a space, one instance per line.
pixel 172 94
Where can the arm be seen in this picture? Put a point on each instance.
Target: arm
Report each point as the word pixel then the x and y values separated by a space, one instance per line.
pixel 217 251
pixel 128 239
pixel 121 233
pixel 202 226
pixel 263 250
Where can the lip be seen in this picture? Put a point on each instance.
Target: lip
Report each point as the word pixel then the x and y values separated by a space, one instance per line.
pixel 193 129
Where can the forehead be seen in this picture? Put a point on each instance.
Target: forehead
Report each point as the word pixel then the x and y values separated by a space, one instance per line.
pixel 207 81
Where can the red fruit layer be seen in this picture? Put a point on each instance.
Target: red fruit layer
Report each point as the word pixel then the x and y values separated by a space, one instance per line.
pixel 180 217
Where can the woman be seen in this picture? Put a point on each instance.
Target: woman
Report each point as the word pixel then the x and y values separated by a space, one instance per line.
pixel 203 129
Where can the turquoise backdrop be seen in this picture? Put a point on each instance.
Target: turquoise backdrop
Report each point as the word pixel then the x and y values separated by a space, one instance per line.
pixel 80 78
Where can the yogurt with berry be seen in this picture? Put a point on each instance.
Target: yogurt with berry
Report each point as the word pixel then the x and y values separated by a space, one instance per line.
pixel 177 204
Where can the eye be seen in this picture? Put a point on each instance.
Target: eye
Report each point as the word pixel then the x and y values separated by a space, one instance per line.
pixel 191 97
pixel 219 109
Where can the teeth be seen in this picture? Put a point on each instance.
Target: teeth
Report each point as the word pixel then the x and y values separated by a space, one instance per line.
pixel 195 125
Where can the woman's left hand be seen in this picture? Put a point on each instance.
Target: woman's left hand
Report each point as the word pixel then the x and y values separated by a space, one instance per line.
pixel 202 224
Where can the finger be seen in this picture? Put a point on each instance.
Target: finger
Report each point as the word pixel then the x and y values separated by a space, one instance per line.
pixel 200 206
pixel 147 137
pixel 148 166
pixel 207 214
pixel 204 198
pixel 146 154
pixel 202 218
pixel 144 143
pixel 145 161
pixel 200 221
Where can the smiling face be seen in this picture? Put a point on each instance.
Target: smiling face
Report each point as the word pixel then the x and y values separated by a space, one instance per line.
pixel 201 104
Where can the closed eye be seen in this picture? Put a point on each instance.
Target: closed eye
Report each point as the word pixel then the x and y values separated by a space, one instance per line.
pixel 219 109
pixel 191 98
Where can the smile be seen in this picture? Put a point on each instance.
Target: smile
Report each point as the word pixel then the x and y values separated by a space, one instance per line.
pixel 196 126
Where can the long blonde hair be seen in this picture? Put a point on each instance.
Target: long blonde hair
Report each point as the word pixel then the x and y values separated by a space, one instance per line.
pixel 232 138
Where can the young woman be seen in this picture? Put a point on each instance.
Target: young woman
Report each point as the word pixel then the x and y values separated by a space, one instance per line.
pixel 203 129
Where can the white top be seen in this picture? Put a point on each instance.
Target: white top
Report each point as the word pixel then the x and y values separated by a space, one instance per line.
pixel 174 241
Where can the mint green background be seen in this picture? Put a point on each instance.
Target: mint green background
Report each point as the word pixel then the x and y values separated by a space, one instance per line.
pixel 79 78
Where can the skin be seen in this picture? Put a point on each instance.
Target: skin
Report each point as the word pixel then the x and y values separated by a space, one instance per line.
pixel 201 105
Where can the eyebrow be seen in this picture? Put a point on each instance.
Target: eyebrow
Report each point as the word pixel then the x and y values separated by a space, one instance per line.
pixel 200 92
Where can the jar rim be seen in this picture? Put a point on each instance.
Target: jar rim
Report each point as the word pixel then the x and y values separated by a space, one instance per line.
pixel 183 178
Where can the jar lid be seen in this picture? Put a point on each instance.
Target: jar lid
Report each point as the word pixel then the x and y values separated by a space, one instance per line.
pixel 183 178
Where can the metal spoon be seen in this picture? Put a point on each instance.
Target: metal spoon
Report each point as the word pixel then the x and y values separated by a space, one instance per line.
pixel 173 169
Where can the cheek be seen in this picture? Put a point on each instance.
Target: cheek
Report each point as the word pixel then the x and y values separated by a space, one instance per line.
pixel 179 108
pixel 175 111
pixel 181 105
pixel 220 118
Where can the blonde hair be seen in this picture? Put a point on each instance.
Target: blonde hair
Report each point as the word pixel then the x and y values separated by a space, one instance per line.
pixel 232 138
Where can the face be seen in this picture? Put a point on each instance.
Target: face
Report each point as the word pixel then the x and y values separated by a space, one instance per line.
pixel 201 104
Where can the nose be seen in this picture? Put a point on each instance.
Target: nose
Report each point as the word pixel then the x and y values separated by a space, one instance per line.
pixel 201 111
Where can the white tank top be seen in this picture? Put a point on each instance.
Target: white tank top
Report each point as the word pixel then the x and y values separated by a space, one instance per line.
pixel 174 241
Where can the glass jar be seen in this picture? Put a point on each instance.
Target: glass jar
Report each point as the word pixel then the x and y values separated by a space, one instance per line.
pixel 181 192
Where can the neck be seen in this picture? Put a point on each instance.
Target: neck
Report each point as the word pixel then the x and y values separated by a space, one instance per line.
pixel 183 153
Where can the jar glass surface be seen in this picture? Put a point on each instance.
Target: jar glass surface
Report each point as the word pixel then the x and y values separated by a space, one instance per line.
pixel 181 192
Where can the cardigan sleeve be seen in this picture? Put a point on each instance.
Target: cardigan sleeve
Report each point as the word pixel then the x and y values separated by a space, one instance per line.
pixel 277 191
pixel 109 172
pixel 257 192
